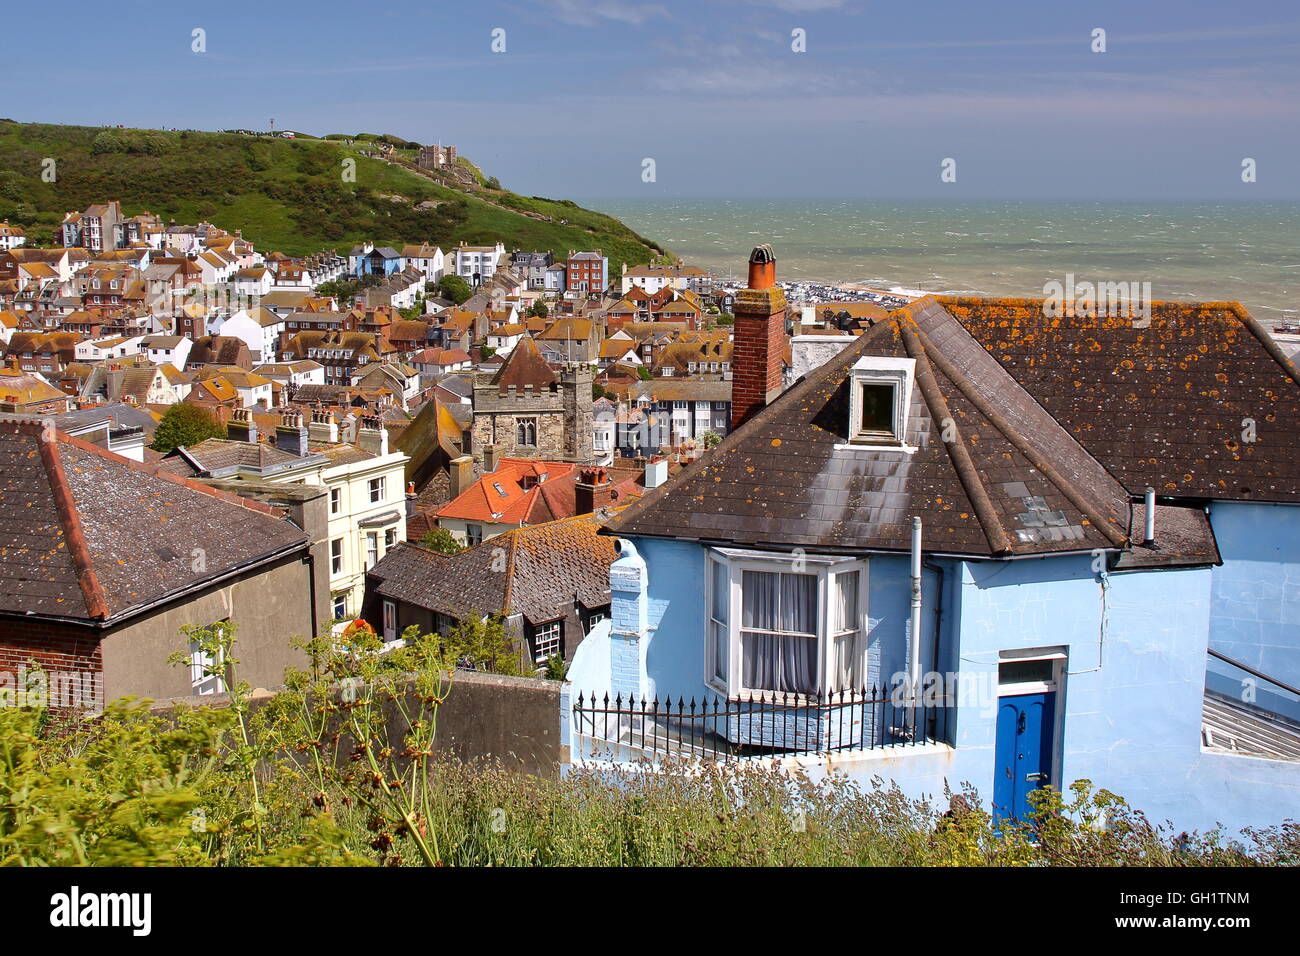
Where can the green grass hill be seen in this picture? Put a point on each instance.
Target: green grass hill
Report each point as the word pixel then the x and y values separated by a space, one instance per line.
pixel 289 195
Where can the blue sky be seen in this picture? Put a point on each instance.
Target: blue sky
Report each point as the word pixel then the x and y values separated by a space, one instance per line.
pixel 713 92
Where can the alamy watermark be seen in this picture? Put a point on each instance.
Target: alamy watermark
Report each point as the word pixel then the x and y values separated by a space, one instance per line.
pixel 1127 299
pixel 38 687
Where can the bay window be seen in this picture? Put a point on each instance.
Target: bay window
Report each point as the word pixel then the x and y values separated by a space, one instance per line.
pixel 785 624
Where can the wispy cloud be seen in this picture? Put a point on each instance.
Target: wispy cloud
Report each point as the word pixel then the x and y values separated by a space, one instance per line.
pixel 587 13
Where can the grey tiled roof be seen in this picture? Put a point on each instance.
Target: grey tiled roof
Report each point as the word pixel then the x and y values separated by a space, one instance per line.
pixel 87 535
pixel 537 571
pixel 1011 480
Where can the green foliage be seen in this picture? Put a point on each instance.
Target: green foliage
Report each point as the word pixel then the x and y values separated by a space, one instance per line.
pixel 342 768
pixel 185 424
pixel 481 643
pixel 341 289
pixel 284 194
pixel 455 288
pixel 442 541
pixel 599 391
pixel 349 700
pixel 539 310
pixel 710 438
pixel 120 793
pixel 556 668
pixel 643 373
pixel 725 318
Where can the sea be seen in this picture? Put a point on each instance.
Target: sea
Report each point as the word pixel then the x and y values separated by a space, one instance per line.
pixel 1243 251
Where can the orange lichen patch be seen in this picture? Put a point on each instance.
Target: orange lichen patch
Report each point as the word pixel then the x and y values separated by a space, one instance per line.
pixel 776 443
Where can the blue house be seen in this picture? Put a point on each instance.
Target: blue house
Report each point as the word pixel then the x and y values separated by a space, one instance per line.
pixel 978 544
pixel 379 261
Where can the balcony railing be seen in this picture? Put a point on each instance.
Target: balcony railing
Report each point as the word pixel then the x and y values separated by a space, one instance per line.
pixel 757 726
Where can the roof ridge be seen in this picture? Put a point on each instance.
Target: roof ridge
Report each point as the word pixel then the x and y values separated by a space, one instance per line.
pixel 153 470
pixel 66 506
pixel 967 473
pixel 510 570
pixel 1266 340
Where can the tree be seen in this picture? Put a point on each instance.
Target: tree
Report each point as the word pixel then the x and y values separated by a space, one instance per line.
pixel 441 541
pixel 482 644
pixel 454 288
pixel 185 424
pixel 539 310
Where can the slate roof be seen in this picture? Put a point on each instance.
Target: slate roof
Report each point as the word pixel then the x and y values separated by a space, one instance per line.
pixel 1162 405
pixel 215 454
pixel 88 535
pixel 525 366
pixel 536 571
pixel 1008 481
pixel 674 389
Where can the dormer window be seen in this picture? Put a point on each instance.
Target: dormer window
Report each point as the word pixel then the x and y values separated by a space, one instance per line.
pixel 880 392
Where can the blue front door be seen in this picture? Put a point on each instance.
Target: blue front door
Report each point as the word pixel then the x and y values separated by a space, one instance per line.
pixel 1024 752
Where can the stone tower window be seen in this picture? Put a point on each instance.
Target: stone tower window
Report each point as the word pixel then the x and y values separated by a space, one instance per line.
pixel 526 432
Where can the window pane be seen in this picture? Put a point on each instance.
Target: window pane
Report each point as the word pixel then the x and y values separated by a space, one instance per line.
pixel 846 663
pixel 799 603
pixel 760 600
pixel 878 408
pixel 846 601
pixel 782 664
pixel 721 602
pixel 1024 672
pixel 721 650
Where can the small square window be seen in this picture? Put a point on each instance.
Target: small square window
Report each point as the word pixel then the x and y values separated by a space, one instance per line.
pixel 548 640
pixel 877 416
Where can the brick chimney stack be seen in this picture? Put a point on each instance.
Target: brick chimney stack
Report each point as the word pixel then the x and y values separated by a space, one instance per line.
pixel 758 339
pixel 593 490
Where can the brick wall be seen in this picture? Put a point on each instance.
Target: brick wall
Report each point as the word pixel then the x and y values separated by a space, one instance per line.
pixel 69 657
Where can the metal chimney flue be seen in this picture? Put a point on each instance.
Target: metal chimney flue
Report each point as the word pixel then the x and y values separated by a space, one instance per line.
pixel 1149 531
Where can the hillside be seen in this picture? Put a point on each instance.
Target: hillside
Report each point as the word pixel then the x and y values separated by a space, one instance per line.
pixel 286 195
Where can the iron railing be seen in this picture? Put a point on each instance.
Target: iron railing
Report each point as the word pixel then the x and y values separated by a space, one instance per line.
pixel 768 725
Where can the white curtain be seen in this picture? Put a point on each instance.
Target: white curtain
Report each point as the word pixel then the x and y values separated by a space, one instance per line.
pixel 785 606
pixel 846 651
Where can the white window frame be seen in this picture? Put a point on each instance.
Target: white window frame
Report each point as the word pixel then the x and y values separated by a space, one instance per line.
pixel 824 567
pixel 336 556
pixel 555 643
pixel 202 682
pixel 377 488
pixel 900 373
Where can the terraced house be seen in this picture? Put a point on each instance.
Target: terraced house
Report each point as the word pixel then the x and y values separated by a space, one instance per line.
pixel 978 544
pixel 351 464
